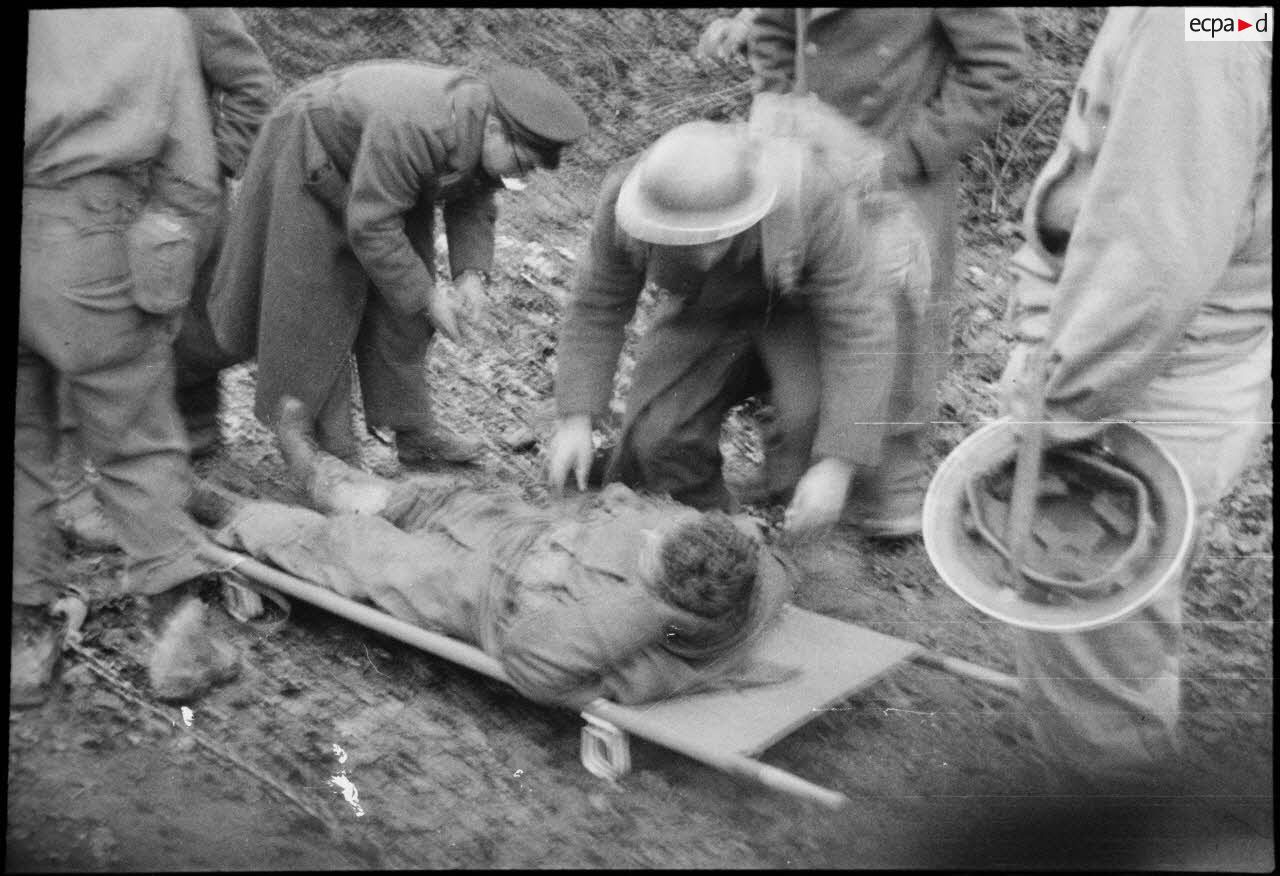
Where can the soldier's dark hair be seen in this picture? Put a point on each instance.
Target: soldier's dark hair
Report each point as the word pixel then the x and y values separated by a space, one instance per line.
pixel 708 566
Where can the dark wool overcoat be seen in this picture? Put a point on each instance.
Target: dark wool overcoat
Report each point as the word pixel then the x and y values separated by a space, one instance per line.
pixel 335 218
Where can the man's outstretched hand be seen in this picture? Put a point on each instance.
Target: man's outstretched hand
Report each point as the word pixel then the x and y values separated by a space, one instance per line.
pixel 725 39
pixel 570 450
pixel 456 309
pixel 819 497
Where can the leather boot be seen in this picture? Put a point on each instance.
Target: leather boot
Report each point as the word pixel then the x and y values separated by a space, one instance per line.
pixel 416 447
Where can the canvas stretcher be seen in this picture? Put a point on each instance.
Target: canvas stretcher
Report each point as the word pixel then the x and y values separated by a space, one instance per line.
pixel 723 729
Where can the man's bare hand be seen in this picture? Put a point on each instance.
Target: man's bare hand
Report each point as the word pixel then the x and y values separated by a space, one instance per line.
pixel 725 39
pixel 1022 399
pixel 819 497
pixel 571 449
pixel 456 310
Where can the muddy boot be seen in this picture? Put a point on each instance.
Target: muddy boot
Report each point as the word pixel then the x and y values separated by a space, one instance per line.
pixel 894 517
pixel 187 660
pixel 887 503
pixel 417 447
pixel 35 648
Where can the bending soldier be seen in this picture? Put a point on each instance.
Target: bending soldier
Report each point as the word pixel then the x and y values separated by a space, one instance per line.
pixel 694 215
pixel 331 248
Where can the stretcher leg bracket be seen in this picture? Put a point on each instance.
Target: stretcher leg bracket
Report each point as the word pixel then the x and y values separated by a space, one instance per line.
pixel 606 749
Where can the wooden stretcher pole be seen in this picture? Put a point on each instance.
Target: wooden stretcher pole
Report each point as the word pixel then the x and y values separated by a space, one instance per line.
pixel 964 668
pixel 471 657
pixel 635 721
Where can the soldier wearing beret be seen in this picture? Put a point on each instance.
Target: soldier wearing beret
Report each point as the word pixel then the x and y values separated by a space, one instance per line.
pixel 330 250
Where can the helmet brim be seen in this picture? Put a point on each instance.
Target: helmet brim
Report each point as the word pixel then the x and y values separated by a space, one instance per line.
pixel 977 574
pixel 645 220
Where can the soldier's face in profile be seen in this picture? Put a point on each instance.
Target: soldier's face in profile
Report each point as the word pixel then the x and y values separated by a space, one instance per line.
pixel 502 155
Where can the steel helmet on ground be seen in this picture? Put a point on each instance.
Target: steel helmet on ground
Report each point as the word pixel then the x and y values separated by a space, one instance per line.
pixel 698 183
pixel 1114 523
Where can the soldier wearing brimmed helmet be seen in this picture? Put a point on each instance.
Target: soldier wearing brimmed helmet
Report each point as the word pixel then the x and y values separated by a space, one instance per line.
pixel 690 215
pixel 331 245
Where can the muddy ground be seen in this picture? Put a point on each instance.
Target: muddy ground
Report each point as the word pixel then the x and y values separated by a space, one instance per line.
pixel 340 748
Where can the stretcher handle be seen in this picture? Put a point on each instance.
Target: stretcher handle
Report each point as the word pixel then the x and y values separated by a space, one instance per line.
pixel 366 616
pixel 1026 474
pixel 801 85
pixel 639 723
pixel 965 669
pixel 473 658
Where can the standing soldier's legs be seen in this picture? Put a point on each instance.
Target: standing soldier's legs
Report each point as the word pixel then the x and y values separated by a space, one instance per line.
pixel 896 488
pixel 288 269
pixel 37 548
pixel 788 349
pixel 131 429
pixel 334 430
pixel 886 501
pixel 391 356
pixel 116 362
pixel 689 372
pixel 1104 704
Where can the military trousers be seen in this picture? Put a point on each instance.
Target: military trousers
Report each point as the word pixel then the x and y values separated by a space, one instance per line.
pixel 77 323
pixel 693 366
pixel 896 487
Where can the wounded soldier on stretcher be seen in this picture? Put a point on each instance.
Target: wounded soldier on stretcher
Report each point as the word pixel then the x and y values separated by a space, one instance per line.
pixel 642 600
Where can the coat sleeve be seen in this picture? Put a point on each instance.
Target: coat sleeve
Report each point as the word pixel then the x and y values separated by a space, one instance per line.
pixel 989 56
pixel 387 179
pixel 605 292
pixel 855 324
pixel 613 649
pixel 1158 216
pixel 184 176
pixel 469 219
pixel 469 229
pixel 240 78
pixel 560 650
